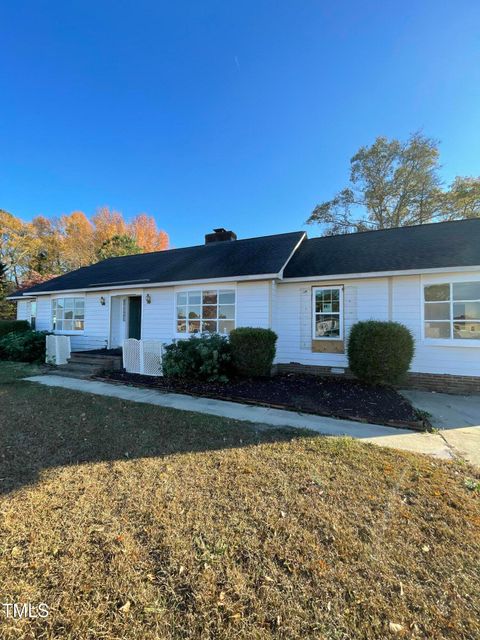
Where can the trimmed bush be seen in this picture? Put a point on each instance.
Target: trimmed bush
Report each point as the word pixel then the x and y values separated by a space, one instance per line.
pixel 380 352
pixel 206 357
pixel 26 346
pixel 9 326
pixel 253 351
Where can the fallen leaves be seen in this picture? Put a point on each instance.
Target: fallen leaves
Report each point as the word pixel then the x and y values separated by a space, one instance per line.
pixel 395 627
pixel 322 565
pixel 126 607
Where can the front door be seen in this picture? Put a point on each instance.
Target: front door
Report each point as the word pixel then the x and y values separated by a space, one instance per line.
pixel 135 317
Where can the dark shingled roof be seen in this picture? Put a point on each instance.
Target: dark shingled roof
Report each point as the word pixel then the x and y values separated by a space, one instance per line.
pixel 230 259
pixel 427 246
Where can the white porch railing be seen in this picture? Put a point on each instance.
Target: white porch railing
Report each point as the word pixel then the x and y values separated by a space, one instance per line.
pixel 57 349
pixel 142 356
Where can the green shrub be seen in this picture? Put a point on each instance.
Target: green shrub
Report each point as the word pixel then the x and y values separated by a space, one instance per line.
pixel 380 352
pixel 253 351
pixel 206 357
pixel 8 326
pixel 27 346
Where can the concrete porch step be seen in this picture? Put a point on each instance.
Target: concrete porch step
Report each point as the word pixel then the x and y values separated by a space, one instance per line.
pixel 83 365
pixel 94 356
pixel 106 363
pixel 67 373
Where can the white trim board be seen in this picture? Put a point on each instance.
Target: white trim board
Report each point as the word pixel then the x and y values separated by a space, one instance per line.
pixel 382 274
pixel 291 255
pixel 157 285
pixel 265 276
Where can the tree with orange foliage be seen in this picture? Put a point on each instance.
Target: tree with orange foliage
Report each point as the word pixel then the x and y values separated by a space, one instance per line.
pixel 78 247
pixel 7 309
pixel 16 245
pixel 147 236
pixel 52 246
pixel 46 250
pixel 108 223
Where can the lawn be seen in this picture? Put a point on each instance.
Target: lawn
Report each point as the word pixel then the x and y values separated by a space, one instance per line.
pixel 133 521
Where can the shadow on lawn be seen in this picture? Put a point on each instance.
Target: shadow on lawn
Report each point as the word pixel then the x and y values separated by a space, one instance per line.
pixel 47 427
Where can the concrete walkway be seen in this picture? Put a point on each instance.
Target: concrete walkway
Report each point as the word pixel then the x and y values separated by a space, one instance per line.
pixel 429 443
pixel 457 418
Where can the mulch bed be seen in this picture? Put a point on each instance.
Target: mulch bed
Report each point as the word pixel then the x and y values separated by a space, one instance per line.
pixel 335 397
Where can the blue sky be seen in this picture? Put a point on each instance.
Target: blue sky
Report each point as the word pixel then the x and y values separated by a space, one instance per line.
pixel 217 113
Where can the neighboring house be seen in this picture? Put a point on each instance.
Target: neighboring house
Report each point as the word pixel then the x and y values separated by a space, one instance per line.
pixel 309 291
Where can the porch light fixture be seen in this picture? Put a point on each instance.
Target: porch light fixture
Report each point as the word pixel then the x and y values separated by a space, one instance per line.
pixel 148 298
pixel 102 301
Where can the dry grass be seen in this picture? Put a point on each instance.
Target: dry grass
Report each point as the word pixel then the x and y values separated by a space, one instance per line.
pixel 133 521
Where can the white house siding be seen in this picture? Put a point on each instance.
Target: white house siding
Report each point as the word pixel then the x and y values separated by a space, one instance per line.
pixel 158 317
pixel 252 307
pixel 96 331
pixel 253 304
pixel 97 323
pixel 44 314
pixel 363 299
pixel 286 307
pixel 23 310
pixel 407 302
pixel 366 299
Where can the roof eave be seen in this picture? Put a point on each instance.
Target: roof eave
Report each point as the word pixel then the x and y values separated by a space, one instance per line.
pixel 380 274
pixel 151 285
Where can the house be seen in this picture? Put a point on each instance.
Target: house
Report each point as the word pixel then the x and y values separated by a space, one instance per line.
pixel 309 291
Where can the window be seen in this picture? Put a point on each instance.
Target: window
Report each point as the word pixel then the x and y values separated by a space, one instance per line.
pixel 33 313
pixel 68 314
pixel 328 313
pixel 210 310
pixel 452 311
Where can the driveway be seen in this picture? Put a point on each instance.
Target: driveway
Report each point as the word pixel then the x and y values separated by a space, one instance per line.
pixel 456 417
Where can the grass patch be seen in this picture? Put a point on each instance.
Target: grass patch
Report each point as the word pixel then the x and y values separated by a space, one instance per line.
pixel 12 371
pixel 139 522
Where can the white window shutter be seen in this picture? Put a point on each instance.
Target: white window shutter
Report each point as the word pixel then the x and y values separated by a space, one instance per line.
pixel 306 318
pixel 350 307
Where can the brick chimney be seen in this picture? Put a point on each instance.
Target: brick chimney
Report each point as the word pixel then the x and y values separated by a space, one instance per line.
pixel 220 235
